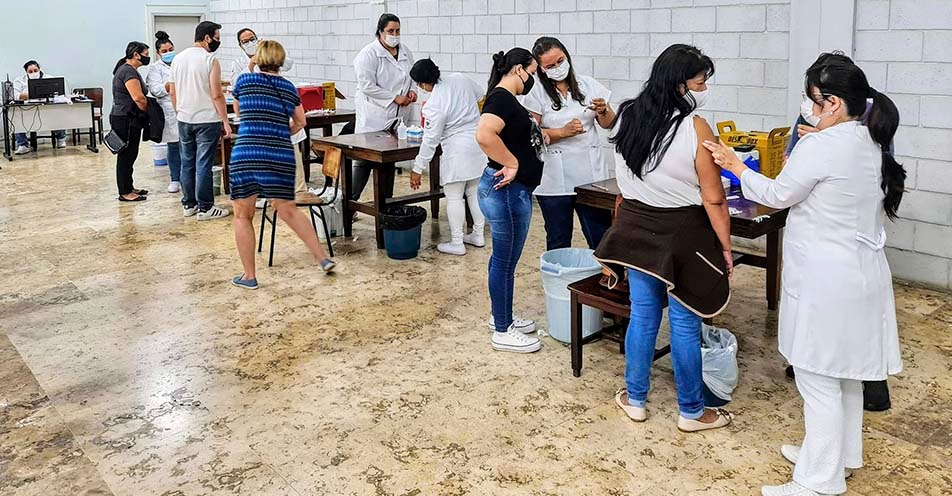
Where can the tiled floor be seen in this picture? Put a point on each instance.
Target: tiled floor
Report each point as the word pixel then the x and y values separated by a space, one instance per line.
pixel 129 366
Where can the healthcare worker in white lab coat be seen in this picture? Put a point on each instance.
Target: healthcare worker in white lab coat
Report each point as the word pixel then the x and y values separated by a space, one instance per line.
pixel 451 116
pixel 21 86
pixel 837 310
pixel 569 106
pixel 384 91
pixel 246 62
pixel 158 81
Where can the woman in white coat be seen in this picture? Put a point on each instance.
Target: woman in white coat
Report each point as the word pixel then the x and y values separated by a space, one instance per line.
pixel 569 107
pixel 837 311
pixel 451 116
pixel 384 91
pixel 158 80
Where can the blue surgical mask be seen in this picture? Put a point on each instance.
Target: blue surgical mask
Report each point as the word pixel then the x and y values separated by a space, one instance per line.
pixel 167 57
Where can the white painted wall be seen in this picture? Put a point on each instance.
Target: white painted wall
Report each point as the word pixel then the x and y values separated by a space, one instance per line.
pixel 79 40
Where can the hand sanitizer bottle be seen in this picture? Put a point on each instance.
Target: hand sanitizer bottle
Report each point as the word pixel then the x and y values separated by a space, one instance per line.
pixel 402 130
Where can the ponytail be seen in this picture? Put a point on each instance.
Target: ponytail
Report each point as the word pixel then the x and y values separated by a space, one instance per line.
pixel 882 122
pixel 132 49
pixel 122 60
pixel 504 62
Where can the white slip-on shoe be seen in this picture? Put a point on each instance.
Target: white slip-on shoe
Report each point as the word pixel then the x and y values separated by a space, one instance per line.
pixel 636 413
pixel 788 489
pixel 259 203
pixel 792 454
pixel 524 326
pixel 515 342
pixel 689 425
pixel 22 150
pixel 174 187
pixel 451 248
pixel 189 211
pixel 475 239
pixel 213 213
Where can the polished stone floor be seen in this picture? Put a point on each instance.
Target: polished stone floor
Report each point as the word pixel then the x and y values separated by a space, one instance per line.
pixel 129 366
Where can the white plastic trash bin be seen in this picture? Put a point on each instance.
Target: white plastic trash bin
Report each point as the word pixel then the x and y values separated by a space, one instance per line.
pixel 216 180
pixel 160 154
pixel 559 268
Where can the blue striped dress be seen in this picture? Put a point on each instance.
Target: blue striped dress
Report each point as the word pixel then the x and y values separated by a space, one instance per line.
pixel 262 160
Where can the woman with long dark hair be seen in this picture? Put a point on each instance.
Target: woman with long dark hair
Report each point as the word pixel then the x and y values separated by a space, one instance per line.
pixel 837 312
pixel 128 115
pixel 569 106
pixel 513 141
pixel 672 231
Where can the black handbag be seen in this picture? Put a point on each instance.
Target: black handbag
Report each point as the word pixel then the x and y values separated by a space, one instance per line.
pixel 114 142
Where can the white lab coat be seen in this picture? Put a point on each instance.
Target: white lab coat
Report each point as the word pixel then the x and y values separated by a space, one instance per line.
pixel 577 160
pixel 159 74
pixel 837 310
pixel 239 66
pixel 380 78
pixel 451 116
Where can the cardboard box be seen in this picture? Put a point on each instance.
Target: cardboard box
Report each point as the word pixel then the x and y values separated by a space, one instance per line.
pixel 771 145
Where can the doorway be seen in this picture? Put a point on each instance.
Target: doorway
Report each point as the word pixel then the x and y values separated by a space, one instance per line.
pixel 181 28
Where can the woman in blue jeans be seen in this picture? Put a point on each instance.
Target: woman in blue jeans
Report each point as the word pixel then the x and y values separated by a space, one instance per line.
pixel 671 233
pixel 513 142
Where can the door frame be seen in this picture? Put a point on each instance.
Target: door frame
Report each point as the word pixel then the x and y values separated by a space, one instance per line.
pixel 155 9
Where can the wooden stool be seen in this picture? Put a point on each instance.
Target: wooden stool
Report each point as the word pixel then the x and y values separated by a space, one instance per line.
pixel 589 292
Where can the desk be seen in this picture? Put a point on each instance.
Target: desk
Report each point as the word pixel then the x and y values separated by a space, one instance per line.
pixel 47 117
pixel 375 148
pixel 770 223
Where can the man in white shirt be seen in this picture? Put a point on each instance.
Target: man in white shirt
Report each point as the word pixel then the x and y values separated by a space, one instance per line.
pixel 199 104
pixel 245 63
pixel 21 90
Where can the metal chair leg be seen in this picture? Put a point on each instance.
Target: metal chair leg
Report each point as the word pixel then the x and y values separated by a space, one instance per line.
pixel 327 234
pixel 274 230
pixel 264 215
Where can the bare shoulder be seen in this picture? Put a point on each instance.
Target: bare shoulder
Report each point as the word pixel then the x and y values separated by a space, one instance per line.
pixel 702 128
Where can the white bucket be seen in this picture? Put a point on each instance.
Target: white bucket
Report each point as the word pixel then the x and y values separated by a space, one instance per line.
pixel 160 154
pixel 216 179
pixel 559 268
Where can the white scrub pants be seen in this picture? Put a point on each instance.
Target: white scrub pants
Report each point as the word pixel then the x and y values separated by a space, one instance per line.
pixel 456 209
pixel 833 420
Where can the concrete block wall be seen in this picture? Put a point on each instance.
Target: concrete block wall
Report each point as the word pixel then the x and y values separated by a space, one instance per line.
pixel 904 47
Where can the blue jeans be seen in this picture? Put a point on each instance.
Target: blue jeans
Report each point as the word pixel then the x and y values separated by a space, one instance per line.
pixel 24 140
pixel 197 146
pixel 560 224
pixel 175 162
pixel 508 211
pixel 648 295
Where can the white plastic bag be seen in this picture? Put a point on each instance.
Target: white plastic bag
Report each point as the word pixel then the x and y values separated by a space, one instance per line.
pixel 719 361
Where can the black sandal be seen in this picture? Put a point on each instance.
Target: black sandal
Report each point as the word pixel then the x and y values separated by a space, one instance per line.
pixel 141 192
pixel 136 199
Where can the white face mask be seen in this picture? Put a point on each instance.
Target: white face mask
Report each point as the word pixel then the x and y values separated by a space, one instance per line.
pixel 559 73
pixel 250 47
pixel 391 41
pixel 806 111
pixel 700 97
pixel 33 75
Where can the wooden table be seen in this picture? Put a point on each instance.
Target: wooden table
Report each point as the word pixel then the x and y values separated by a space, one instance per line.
pixel 374 149
pixel 323 122
pixel 752 221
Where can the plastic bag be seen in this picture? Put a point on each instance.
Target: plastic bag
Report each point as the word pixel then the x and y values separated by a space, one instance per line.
pixel 402 218
pixel 719 361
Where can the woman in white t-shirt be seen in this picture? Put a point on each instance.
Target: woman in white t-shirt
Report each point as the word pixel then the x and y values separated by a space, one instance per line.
pixel 568 107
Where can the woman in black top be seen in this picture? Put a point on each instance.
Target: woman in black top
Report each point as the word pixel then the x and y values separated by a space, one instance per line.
pixel 128 115
pixel 513 142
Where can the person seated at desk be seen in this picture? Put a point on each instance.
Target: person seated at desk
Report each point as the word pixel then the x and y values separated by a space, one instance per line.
pixel 21 89
pixel 248 42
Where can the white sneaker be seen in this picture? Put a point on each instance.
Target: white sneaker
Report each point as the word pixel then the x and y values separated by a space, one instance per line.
pixel 61 143
pixel 524 326
pixel 213 213
pixel 451 248
pixel 189 211
pixel 22 150
pixel 174 187
pixel 260 202
pixel 792 454
pixel 788 489
pixel 515 342
pixel 476 239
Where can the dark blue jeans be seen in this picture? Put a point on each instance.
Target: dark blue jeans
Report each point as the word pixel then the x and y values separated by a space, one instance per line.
pixel 560 224
pixel 175 162
pixel 23 139
pixel 508 211
pixel 197 146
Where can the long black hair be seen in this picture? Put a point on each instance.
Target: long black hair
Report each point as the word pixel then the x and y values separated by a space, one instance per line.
pixel 162 38
pixel 844 79
pixel 543 45
pixel 645 132
pixel 385 19
pixel 504 62
pixel 132 49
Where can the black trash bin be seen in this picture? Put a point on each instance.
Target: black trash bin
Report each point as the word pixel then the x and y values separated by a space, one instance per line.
pixel 401 230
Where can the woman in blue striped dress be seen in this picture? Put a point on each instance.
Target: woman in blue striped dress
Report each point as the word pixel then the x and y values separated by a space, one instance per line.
pixel 262 161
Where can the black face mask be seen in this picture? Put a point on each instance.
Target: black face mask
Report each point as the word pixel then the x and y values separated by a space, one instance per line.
pixel 144 60
pixel 213 45
pixel 527 84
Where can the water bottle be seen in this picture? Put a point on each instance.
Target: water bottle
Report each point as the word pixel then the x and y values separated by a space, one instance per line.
pixel 402 130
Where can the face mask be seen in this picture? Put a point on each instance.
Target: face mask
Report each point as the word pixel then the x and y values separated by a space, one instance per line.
pixel 559 73
pixel 167 57
pixel 391 41
pixel 250 47
pixel 144 60
pixel 527 84
pixel 806 111
pixel 700 97
pixel 33 75
pixel 213 45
